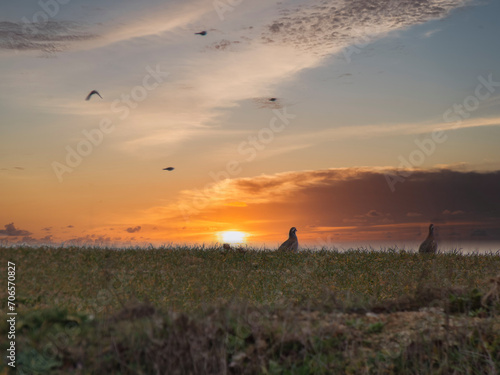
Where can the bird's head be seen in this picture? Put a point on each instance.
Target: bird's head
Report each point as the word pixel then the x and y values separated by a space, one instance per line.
pixel 431 228
pixel 292 231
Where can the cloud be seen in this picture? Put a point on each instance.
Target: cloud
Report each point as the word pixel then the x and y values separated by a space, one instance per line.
pixel 223 45
pixel 236 204
pixel 28 240
pixel 456 212
pixel 223 80
pixel 154 20
pixel 134 229
pixel 324 27
pixel 226 79
pixel 429 33
pixel 372 216
pixel 479 233
pixel 89 240
pixel 12 168
pixel 11 230
pixel 344 198
pixel 48 37
pixel 384 130
pixel 374 213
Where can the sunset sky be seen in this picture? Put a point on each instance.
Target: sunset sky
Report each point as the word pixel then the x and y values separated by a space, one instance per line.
pixel 386 119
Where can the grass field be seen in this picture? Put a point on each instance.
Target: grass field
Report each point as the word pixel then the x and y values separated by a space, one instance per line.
pixel 212 311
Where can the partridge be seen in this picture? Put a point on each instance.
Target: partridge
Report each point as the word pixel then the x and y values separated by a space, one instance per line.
pixel 292 244
pixel 429 245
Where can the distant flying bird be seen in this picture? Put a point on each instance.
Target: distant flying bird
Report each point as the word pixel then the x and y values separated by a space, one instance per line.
pixel 268 102
pixel 92 93
pixel 169 169
pixel 292 244
pixel 429 246
pixel 201 33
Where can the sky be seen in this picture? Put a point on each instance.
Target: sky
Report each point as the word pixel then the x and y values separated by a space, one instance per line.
pixel 357 122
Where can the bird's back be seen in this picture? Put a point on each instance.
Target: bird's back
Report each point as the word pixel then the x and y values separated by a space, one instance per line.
pixel 292 244
pixel 428 246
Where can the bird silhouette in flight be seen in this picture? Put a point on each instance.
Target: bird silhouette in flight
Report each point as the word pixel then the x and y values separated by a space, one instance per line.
pixel 292 244
pixel 272 99
pixel 201 33
pixel 169 169
pixel 429 246
pixel 92 93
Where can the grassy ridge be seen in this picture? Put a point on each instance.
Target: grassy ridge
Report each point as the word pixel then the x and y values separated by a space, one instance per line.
pixel 215 311
pixel 184 279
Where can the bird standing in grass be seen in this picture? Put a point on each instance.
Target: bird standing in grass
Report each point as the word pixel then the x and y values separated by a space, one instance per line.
pixel 92 93
pixel 292 244
pixel 429 246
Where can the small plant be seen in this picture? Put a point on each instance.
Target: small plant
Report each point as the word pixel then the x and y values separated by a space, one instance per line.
pixel 468 303
pixel 375 327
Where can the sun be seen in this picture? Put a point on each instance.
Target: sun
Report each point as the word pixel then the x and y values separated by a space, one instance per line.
pixel 233 236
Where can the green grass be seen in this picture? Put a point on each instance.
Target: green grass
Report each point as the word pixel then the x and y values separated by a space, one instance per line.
pixel 205 310
pixel 100 280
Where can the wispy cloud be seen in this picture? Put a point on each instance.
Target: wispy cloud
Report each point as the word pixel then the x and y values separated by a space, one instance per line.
pixel 223 79
pixel 382 130
pixel 429 33
pixel 153 21
pixel 48 37
pixel 324 27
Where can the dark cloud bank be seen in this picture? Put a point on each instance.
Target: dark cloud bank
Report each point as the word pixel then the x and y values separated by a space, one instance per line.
pixel 11 230
pixel 469 202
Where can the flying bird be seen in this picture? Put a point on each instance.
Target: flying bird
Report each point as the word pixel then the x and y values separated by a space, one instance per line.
pixel 92 93
pixel 292 244
pixel 268 102
pixel 201 33
pixel 169 169
pixel 429 246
